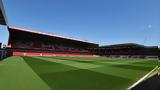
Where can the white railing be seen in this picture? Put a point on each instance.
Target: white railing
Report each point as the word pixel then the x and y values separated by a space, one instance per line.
pixel 150 74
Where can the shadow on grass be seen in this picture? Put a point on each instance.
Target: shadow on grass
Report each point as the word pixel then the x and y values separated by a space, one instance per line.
pixel 74 79
pixel 84 80
pixel 41 65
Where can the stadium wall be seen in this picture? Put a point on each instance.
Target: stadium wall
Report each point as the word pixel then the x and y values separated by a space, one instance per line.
pixel 51 54
pixel 3 54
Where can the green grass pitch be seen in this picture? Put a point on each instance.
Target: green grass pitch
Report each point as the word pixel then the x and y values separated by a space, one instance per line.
pixel 71 73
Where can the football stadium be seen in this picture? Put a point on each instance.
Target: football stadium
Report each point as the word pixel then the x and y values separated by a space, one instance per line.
pixel 35 60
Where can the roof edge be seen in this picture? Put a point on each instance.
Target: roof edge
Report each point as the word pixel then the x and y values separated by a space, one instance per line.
pixel 127 44
pixel 48 34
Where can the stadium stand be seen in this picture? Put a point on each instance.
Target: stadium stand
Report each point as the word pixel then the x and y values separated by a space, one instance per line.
pixel 31 43
pixel 128 50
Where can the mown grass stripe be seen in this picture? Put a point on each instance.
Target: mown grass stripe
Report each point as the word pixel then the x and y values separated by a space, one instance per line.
pixel 16 75
pixel 116 68
pixel 80 79
pixel 66 73
pixel 71 63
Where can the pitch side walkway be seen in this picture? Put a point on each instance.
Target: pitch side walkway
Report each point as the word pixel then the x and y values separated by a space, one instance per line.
pixel 17 75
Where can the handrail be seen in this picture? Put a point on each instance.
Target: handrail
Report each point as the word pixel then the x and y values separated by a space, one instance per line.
pixel 148 75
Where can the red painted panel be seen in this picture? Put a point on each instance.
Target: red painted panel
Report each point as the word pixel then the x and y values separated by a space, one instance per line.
pixel 18 54
pixel 51 54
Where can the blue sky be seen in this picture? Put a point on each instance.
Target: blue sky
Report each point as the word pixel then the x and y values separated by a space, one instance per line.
pixel 102 21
